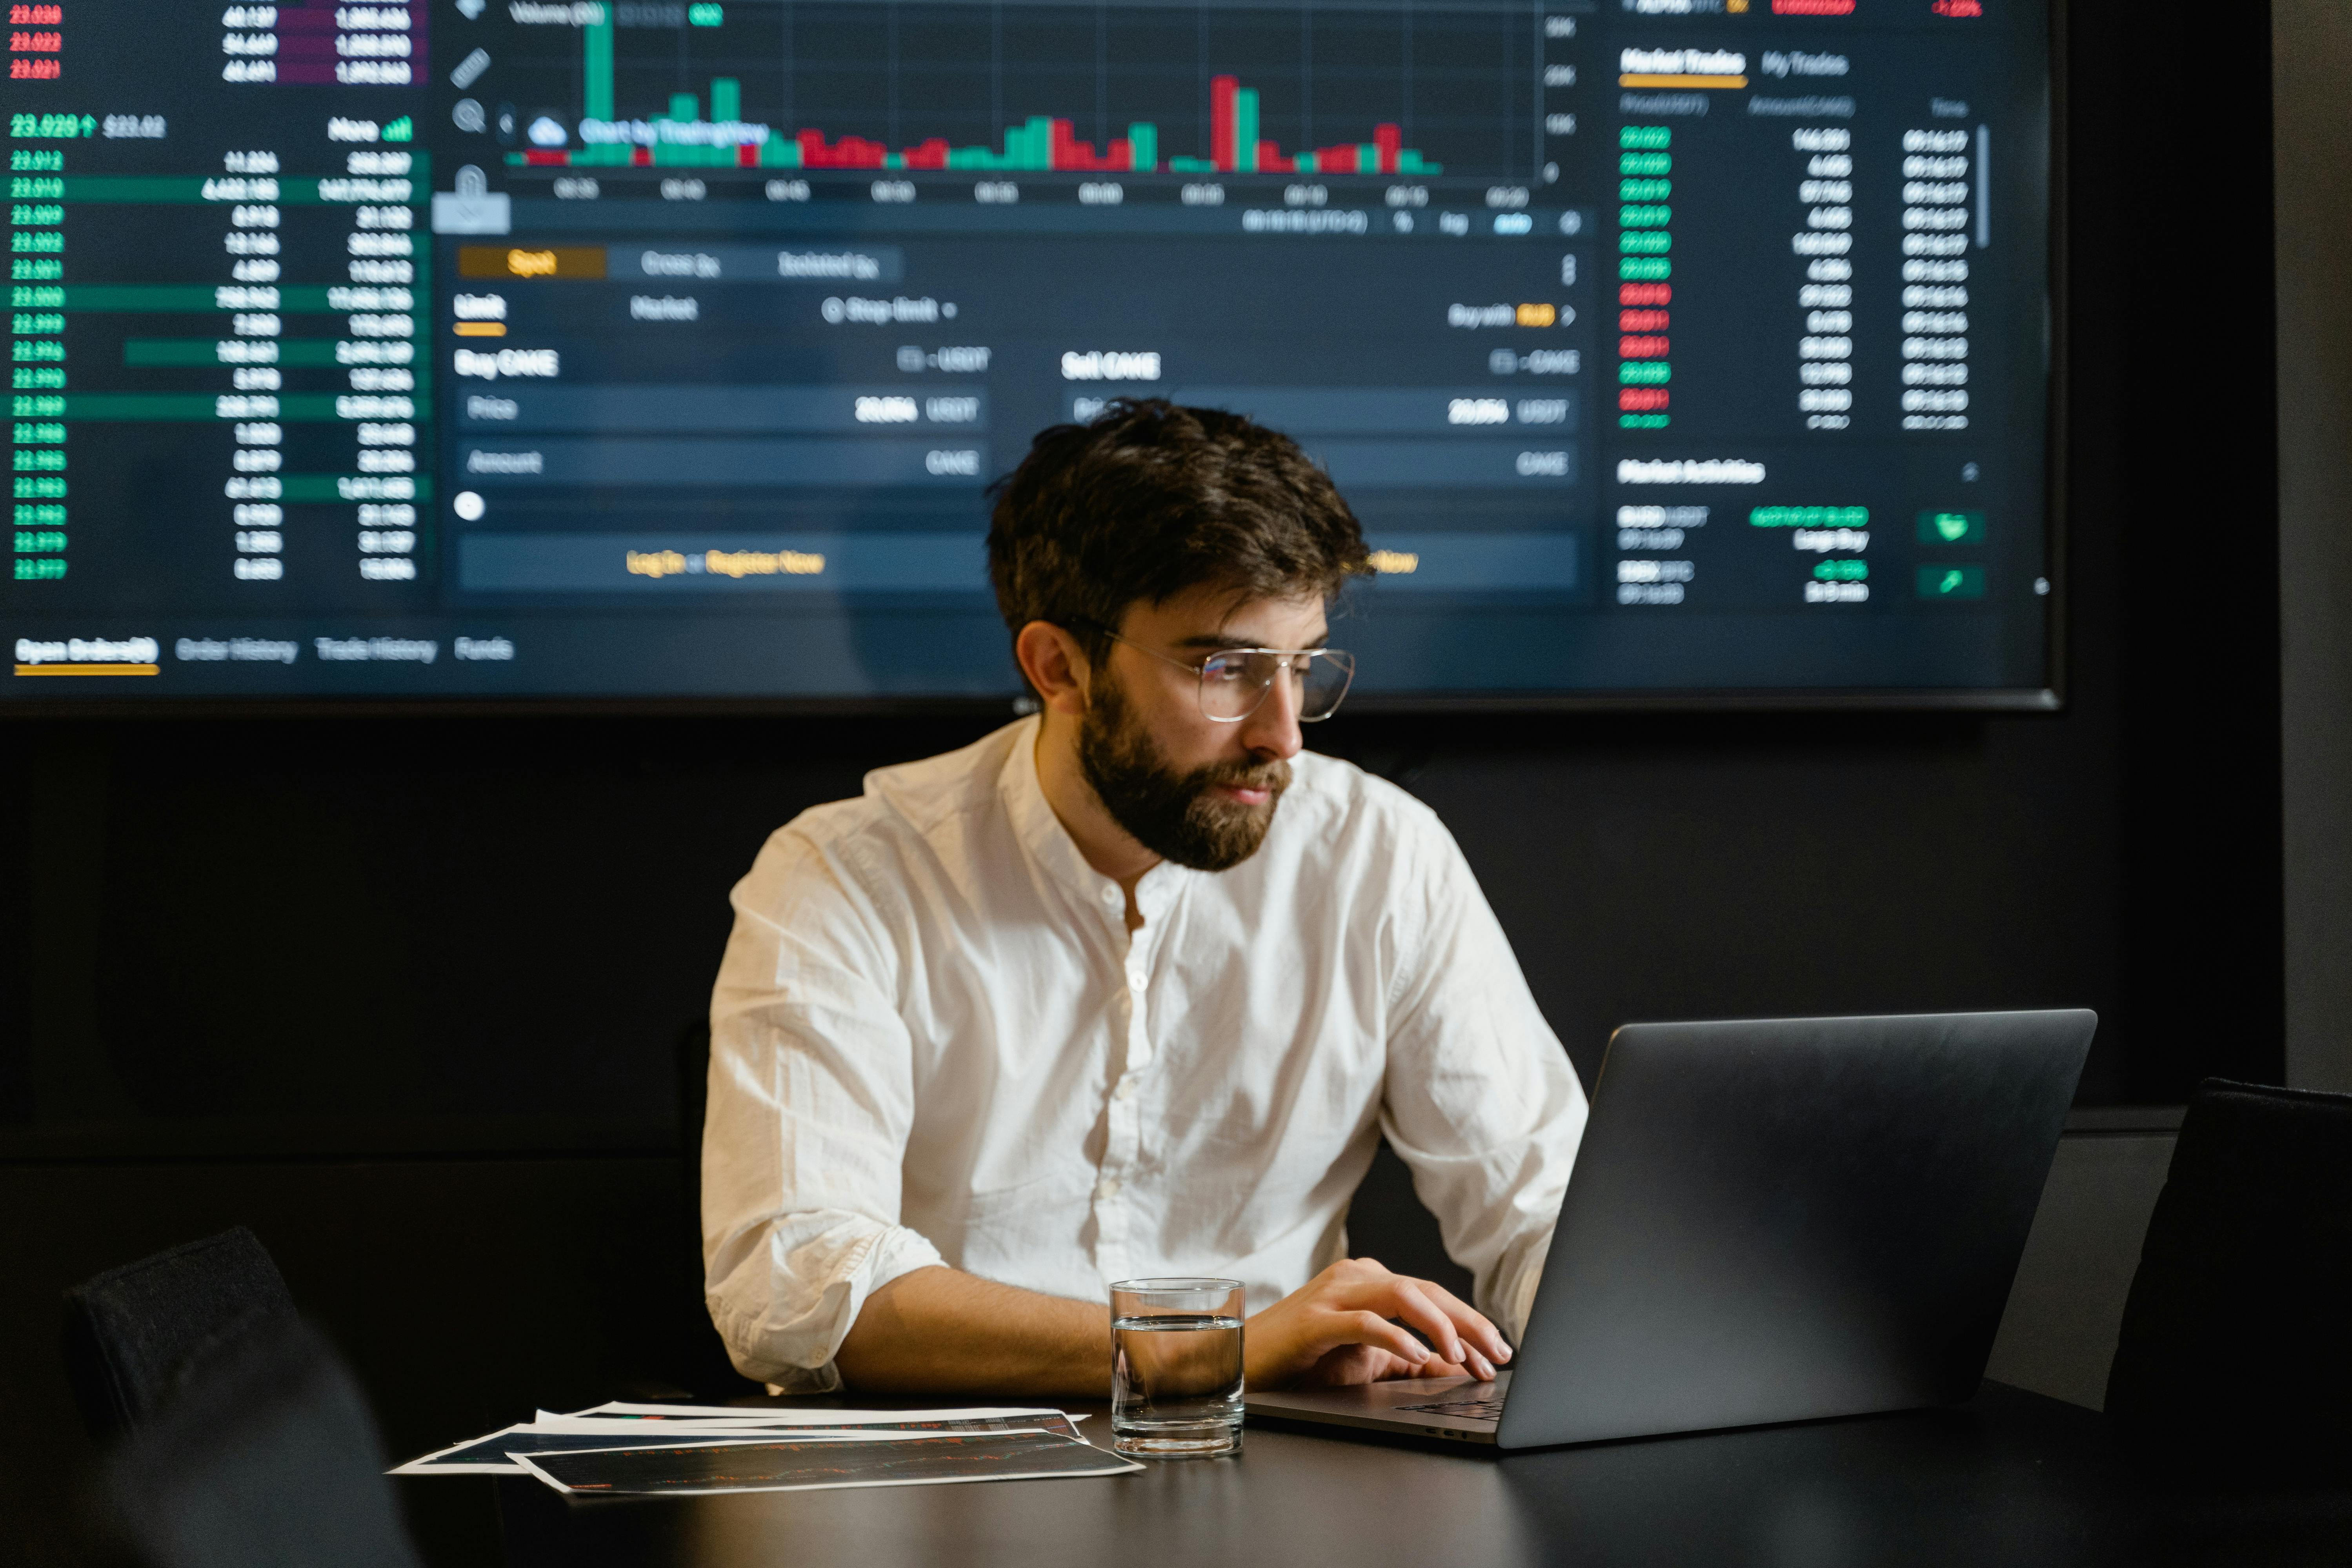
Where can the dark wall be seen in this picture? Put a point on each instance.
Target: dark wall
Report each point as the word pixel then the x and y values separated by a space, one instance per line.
pixel 403 993
pixel 395 936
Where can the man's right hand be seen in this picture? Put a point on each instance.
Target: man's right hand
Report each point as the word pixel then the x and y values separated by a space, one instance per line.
pixel 1335 1329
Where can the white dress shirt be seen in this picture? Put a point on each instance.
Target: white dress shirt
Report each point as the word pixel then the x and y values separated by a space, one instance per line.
pixel 933 1040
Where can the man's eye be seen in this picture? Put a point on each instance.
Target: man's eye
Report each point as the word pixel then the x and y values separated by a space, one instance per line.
pixel 1222 669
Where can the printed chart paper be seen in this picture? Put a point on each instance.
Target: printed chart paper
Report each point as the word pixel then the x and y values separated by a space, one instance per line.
pixel 804 1465
pixel 492 1454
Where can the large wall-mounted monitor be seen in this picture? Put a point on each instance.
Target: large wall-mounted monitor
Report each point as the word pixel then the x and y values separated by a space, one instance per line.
pixel 1669 349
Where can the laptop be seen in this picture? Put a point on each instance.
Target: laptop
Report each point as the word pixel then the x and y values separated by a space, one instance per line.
pixel 1773 1220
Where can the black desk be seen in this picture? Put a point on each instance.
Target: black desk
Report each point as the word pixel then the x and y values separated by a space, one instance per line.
pixel 2010 1480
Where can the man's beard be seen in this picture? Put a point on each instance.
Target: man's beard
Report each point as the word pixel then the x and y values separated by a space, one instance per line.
pixel 1177 817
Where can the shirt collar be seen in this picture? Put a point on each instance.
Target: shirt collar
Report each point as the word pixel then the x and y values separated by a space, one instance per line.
pixel 1041 834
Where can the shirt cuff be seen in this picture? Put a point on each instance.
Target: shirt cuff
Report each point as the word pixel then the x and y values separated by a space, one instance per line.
pixel 794 1356
pixel 896 1251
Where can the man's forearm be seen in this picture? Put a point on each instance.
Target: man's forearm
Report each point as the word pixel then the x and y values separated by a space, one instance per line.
pixel 937 1329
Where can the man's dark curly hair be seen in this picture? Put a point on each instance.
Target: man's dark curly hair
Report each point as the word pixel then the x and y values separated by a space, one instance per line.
pixel 1152 499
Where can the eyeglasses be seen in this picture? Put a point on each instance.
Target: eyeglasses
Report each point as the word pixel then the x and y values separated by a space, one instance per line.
pixel 1234 681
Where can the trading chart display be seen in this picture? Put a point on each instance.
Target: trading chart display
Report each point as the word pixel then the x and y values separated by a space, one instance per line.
pixel 497 349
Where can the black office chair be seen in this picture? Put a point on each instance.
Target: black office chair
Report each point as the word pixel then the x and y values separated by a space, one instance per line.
pixel 2235 1362
pixel 133 1332
pixel 265 1456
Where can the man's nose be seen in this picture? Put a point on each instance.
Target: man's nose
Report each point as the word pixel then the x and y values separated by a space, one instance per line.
pixel 1272 729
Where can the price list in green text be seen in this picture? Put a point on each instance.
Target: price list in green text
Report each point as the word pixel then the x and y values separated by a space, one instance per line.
pixel 251 313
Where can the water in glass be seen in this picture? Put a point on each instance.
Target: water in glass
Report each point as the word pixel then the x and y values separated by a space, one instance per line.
pixel 1176 1367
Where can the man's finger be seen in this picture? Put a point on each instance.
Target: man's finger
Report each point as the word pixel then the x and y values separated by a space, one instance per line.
pixel 1472 1323
pixel 1415 1307
pixel 1367 1328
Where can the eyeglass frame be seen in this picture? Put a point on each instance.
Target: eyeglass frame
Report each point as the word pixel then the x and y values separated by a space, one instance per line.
pixel 1201 672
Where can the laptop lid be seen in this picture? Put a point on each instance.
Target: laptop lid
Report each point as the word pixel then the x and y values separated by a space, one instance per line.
pixel 1783 1219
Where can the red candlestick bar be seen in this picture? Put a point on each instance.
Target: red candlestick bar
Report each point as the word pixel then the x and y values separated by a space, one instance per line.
pixel 1270 158
pixel 849 153
pixel 1225 141
pixel 1389 140
pixel 1066 151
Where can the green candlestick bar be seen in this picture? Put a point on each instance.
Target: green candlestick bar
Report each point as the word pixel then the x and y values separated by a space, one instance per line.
pixel 1035 149
pixel 598 96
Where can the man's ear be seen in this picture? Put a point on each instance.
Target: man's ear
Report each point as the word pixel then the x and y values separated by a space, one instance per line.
pixel 1056 666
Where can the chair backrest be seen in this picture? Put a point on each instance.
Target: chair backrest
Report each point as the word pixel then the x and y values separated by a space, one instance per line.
pixel 2234 1361
pixel 132 1333
pixel 267 1455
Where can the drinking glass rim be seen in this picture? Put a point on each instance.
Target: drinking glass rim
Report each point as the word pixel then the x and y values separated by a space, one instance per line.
pixel 1185 1282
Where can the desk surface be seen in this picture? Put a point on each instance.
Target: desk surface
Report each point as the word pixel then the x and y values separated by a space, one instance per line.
pixel 2010 1479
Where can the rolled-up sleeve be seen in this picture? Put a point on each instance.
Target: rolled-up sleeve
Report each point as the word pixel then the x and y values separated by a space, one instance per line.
pixel 811 1100
pixel 1479 1101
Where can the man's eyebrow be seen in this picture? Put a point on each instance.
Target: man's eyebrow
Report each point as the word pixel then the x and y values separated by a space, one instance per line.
pixel 1210 642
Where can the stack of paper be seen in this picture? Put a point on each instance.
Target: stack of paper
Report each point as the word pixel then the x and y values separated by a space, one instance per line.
pixel 685 1449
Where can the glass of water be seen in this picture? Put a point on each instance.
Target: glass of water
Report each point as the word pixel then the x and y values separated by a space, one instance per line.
pixel 1176 1368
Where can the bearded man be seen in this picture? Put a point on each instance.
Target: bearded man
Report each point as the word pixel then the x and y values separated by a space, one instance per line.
pixel 1128 988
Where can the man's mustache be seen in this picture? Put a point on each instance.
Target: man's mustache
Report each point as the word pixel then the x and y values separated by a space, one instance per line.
pixel 1274 775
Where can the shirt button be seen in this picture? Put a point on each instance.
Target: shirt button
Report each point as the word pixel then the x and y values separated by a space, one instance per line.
pixel 1107 1187
pixel 1111 899
pixel 1126 1088
pixel 1135 979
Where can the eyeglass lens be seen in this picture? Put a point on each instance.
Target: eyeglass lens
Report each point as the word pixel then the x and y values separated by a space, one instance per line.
pixel 1233 684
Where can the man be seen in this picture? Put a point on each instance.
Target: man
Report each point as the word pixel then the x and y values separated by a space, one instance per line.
pixel 1130 988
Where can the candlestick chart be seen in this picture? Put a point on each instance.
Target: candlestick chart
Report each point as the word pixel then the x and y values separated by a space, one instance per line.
pixel 1036 89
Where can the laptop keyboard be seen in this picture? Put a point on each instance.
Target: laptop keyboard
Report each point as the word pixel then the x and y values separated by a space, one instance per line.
pixel 1463 1409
